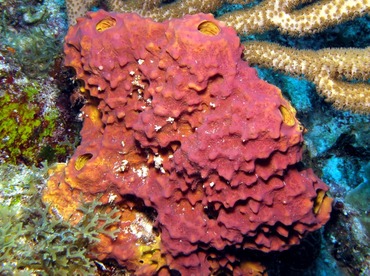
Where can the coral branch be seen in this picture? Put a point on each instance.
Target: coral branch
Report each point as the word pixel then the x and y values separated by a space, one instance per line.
pixel 155 10
pixel 337 73
pixel 77 9
pixel 283 15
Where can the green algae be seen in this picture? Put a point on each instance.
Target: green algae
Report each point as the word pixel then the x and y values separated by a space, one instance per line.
pixel 24 123
pixel 34 242
pixel 32 120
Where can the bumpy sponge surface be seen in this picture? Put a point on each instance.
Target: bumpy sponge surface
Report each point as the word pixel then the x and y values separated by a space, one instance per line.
pixel 178 121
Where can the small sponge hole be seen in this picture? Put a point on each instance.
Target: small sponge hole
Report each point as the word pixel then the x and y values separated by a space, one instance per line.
pixel 82 160
pixel 208 28
pixel 105 24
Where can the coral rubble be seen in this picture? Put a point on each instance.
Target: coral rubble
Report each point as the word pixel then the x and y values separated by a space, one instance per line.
pixel 181 134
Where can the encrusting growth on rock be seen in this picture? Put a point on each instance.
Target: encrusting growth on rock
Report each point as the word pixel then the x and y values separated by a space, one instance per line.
pixel 182 136
pixel 287 16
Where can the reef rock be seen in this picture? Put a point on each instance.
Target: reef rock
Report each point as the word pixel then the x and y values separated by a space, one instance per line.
pixel 182 135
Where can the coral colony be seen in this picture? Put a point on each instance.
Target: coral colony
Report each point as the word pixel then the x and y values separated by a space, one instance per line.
pixel 180 135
